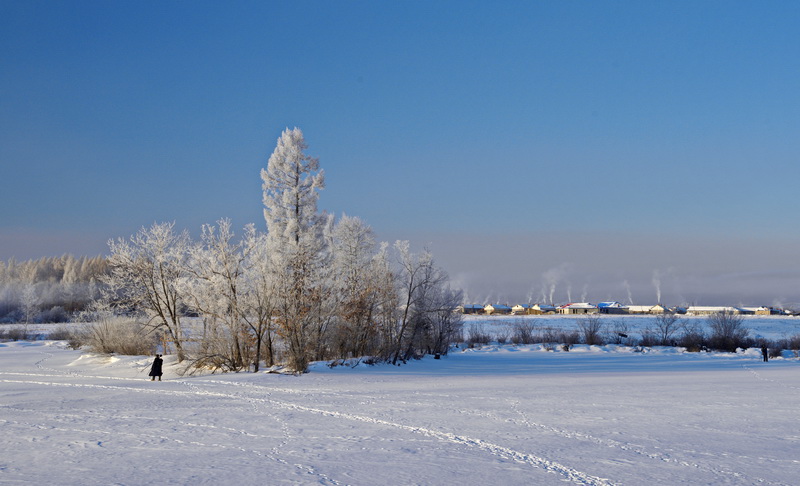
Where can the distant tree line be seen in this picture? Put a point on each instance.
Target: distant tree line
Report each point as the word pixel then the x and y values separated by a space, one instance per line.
pixel 49 289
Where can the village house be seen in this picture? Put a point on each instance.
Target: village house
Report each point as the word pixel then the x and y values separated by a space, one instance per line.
pixel 706 310
pixel 756 311
pixel 540 309
pixel 647 309
pixel 611 308
pixel 578 308
pixel 497 309
pixel 520 309
pixel 471 309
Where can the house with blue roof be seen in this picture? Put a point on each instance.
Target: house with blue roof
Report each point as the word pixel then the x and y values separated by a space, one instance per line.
pixel 472 309
pixel 611 308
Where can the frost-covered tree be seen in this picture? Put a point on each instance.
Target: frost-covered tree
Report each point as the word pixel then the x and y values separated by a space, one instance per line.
pixel 387 295
pixel 291 183
pixel 418 282
pixel 296 243
pixel 259 295
pixel 445 325
pixel 356 287
pixel 213 287
pixel 29 301
pixel 231 285
pixel 145 274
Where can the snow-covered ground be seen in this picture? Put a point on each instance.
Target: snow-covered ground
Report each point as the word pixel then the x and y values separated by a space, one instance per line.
pixel 495 415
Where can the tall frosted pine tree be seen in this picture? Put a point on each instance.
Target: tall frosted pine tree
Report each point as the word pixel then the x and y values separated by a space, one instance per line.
pixel 292 181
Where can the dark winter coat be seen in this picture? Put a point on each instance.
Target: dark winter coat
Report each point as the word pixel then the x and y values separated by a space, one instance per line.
pixel 155 370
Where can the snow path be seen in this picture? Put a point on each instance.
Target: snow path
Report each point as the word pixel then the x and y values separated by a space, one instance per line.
pixel 503 452
pixel 506 453
pixel 568 473
pixel 344 426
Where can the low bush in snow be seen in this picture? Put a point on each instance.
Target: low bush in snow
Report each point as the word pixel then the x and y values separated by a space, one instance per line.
pixel 649 338
pixel 591 329
pixel 63 333
pixel 787 344
pixel 666 326
pixel 792 343
pixel 121 336
pixel 727 332
pixel 559 336
pixel 524 333
pixel 691 337
pixel 476 335
pixel 618 332
pixel 775 351
pixel 502 337
pixel 15 333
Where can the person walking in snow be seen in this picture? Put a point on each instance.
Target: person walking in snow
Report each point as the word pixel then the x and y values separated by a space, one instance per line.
pixel 765 352
pixel 155 370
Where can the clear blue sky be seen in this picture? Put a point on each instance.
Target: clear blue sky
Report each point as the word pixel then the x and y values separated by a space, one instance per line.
pixel 603 142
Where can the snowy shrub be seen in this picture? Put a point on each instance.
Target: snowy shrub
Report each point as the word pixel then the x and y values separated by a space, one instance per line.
pixel 523 333
pixel 554 336
pixel 561 336
pixel 569 338
pixel 212 362
pixel 15 333
pixel 61 333
pixel 792 343
pixel 476 335
pixel 121 336
pixel 591 329
pixel 219 350
pixel 649 338
pixel 667 325
pixel 75 336
pixel 619 333
pixel 550 335
pixel 502 337
pixel 692 337
pixel 789 344
pixel 727 332
pixel 78 339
